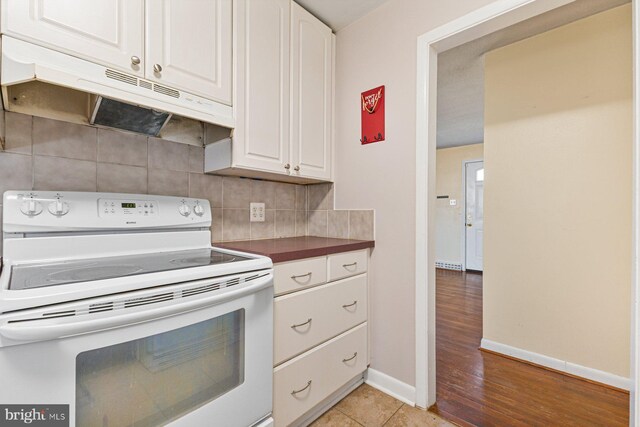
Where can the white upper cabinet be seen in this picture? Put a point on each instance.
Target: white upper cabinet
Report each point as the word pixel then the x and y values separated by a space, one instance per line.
pixel 284 96
pixel 311 87
pixel 108 32
pixel 189 44
pixel 183 44
pixel 261 137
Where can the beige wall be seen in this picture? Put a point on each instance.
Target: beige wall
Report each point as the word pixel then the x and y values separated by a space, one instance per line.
pixel 380 49
pixel 449 182
pixel 558 141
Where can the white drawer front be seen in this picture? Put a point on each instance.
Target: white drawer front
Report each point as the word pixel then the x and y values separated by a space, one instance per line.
pixel 317 373
pixel 307 318
pixel 296 275
pixel 347 264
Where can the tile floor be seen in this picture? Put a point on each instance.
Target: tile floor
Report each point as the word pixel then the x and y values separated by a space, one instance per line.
pixel 368 407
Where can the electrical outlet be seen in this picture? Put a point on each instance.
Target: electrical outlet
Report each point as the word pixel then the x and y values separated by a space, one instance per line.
pixel 256 212
pixel 452 202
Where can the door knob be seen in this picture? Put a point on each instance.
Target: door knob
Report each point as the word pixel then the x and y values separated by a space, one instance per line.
pixel 157 68
pixel 287 166
pixel 135 60
pixel 297 169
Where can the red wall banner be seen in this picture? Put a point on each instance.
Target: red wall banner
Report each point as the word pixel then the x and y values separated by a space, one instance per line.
pixel 372 104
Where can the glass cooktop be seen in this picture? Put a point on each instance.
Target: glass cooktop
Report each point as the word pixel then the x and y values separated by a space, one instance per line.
pixel 30 276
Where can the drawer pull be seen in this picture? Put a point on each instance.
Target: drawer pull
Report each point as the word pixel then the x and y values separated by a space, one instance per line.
pixel 351 358
pixel 301 276
pixel 294 392
pixel 350 305
pixel 301 324
pixel 353 264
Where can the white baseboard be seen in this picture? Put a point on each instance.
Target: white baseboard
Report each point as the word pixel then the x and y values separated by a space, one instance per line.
pixel 557 364
pixel 395 388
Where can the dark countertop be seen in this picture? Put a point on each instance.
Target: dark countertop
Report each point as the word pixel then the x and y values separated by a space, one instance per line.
pixel 293 248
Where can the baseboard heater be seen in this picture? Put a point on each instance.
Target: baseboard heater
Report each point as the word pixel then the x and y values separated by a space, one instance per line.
pixel 449 265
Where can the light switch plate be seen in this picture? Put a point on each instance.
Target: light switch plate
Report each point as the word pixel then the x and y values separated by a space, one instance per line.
pixel 452 202
pixel 256 212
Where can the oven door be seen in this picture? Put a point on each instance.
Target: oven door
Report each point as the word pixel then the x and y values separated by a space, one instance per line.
pixel 193 360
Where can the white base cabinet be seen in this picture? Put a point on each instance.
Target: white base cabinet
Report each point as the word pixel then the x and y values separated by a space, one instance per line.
pixel 306 381
pixel 320 331
pixel 321 313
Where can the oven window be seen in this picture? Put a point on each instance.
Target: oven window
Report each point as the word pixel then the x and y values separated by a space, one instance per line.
pixel 154 380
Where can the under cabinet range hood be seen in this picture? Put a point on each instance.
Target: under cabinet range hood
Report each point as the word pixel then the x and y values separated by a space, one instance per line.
pixel 42 82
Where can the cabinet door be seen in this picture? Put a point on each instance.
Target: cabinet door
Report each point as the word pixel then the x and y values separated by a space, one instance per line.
pixel 311 89
pixel 304 382
pixel 189 44
pixel 307 318
pixel 108 32
pixel 261 138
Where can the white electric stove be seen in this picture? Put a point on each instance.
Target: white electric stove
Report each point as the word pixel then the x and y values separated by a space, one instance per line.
pixel 141 320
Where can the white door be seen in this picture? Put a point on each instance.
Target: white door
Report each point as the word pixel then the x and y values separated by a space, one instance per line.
pixel 189 44
pixel 261 137
pixel 109 32
pixel 474 224
pixel 311 87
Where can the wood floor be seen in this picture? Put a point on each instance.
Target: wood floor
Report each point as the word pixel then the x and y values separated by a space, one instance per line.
pixel 483 389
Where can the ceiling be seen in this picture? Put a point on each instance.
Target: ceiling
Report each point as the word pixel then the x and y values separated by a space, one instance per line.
pixel 461 71
pixel 337 14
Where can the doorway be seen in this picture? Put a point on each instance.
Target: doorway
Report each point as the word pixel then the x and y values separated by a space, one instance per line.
pixel 470 27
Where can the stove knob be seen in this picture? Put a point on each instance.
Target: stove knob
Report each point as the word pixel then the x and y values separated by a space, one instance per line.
pixel 198 209
pixel 31 207
pixel 58 208
pixel 184 210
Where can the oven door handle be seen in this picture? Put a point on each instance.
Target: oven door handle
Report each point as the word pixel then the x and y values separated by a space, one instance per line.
pixel 49 329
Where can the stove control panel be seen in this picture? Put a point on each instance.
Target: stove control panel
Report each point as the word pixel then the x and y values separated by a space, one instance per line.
pixel 127 207
pixel 51 211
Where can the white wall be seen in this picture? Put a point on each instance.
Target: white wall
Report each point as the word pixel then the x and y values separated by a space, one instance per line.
pixel 380 49
pixel 558 227
pixel 449 182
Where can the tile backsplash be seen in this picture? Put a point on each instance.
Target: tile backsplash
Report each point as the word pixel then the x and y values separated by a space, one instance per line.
pixel 44 154
pixel 325 221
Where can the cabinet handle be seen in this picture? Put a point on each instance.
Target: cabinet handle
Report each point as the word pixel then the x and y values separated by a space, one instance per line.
pixel 353 264
pixel 301 324
pixel 157 68
pixel 301 276
pixel 294 392
pixel 135 60
pixel 350 305
pixel 350 358
pixel 297 169
pixel 287 166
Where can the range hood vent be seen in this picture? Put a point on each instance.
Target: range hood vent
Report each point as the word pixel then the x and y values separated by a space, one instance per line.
pixel 134 81
pixel 120 115
pixel 125 78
